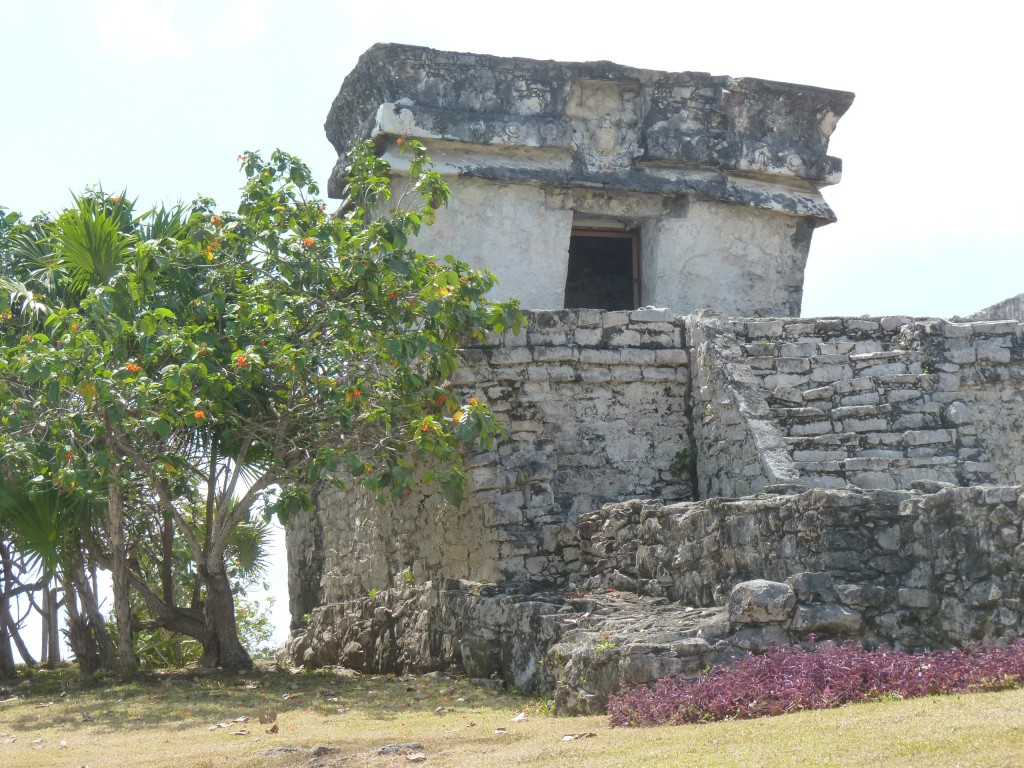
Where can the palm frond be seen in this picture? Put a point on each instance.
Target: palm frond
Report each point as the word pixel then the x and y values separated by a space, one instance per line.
pixel 248 547
pixel 41 524
pixel 91 243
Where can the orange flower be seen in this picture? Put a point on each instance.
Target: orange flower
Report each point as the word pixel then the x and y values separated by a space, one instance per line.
pixel 68 456
pixel 399 141
pixel 308 242
pixel 74 326
pixel 202 350
pixel 392 296
pixel 293 366
pixel 357 393
pixel 132 367
pixel 22 360
pixel 216 221
pixel 199 415
pixel 241 362
pixel 440 400
pixel 426 427
pixel 472 401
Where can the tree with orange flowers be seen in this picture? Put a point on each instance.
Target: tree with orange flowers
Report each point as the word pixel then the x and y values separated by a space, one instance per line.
pixel 227 368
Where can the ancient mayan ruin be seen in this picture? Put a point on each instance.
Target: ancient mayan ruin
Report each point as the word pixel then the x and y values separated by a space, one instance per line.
pixel 691 471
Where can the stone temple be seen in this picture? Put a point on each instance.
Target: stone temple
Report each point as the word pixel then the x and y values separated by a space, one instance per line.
pixel 691 470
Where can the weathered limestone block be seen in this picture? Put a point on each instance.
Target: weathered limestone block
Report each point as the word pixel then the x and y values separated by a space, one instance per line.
pixel 761 602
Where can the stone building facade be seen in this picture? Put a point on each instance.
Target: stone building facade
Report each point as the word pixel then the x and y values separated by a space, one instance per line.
pixel 677 486
pixel 602 186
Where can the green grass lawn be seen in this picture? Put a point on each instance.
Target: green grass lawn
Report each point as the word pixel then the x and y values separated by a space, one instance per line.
pixel 171 720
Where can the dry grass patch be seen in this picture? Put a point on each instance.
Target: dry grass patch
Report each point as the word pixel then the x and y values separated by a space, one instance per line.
pixel 343 720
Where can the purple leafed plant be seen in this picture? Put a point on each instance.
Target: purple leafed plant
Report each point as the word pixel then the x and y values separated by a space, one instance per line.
pixel 792 678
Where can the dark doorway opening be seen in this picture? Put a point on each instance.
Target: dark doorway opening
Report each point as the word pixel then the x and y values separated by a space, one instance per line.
pixel 604 270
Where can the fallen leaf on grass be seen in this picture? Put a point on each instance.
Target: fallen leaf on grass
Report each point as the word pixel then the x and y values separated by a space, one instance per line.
pixel 520 718
pixel 62 744
pixel 9 740
pixel 243 732
pixel 242 719
pixel 575 736
pixel 273 728
pixel 47 704
pixel 266 715
pixel 416 757
pixel 501 730
pixel 87 718
pixel 11 700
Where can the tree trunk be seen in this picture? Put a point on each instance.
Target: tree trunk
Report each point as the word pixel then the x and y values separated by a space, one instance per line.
pixel 11 586
pixel 122 580
pixel 50 654
pixel 80 640
pixel 12 629
pixel 167 559
pixel 93 619
pixel 221 646
pixel 6 651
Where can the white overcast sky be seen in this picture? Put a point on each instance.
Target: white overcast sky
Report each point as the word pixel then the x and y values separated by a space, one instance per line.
pixel 160 97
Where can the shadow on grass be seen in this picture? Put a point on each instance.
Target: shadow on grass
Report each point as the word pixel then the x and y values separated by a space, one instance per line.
pixel 183 701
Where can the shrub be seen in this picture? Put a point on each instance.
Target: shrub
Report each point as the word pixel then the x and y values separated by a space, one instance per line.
pixel 793 678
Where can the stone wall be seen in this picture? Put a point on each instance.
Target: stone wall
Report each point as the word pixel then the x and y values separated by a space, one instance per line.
pixel 1008 309
pixel 669 590
pixel 869 402
pixel 906 568
pixel 918 420
pixel 596 409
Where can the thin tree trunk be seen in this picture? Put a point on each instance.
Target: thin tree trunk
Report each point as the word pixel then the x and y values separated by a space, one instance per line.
pixel 6 651
pixel 50 655
pixel 94 621
pixel 167 559
pixel 121 580
pixel 83 645
pixel 221 646
pixel 11 586
pixel 44 617
pixel 12 629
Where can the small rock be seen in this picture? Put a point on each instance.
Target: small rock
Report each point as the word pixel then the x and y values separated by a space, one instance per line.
pixel 400 749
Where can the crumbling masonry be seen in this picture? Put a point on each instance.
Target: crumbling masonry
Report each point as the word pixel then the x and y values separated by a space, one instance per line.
pixel 677 487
